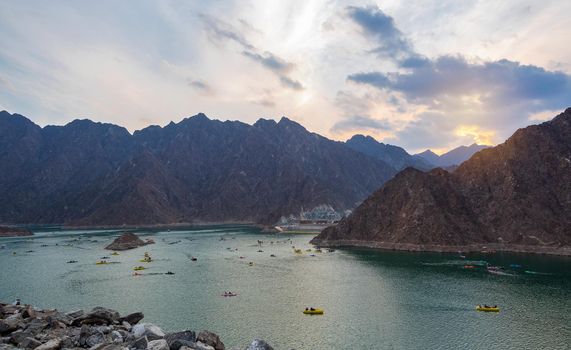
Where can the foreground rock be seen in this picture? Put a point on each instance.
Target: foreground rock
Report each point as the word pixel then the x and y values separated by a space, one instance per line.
pixel 9 231
pixel 512 197
pixel 128 241
pixel 26 327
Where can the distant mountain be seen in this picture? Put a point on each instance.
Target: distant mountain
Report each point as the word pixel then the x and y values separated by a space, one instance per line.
pixel 198 170
pixel 395 156
pixel 451 158
pixel 515 196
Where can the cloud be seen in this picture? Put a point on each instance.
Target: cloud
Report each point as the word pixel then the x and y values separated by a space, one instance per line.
pixel 199 86
pixel 265 102
pixel 359 123
pixel 461 100
pixel 268 60
pixel 222 30
pixel 381 28
pixel 290 83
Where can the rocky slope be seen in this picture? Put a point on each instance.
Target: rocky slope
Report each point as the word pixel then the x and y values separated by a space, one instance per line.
pixel 515 196
pixel 395 156
pixel 7 231
pixel 198 170
pixel 27 327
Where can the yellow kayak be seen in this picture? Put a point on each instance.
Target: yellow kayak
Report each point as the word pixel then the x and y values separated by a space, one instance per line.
pixel 102 262
pixel 114 253
pixel 313 312
pixel 145 260
pixel 297 251
pixel 139 268
pixel 487 309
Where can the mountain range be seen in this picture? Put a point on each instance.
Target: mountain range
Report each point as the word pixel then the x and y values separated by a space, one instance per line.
pixel 515 196
pixel 198 170
pixel 451 158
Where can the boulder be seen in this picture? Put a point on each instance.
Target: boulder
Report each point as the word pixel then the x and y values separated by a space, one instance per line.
pixel 29 343
pixel 259 344
pixel 211 339
pixel 133 318
pixel 127 241
pixel 201 346
pixel 94 339
pixel 53 344
pixel 10 323
pixel 140 343
pixel 180 343
pixel 116 337
pixel 159 344
pixel 149 330
pixel 184 336
pixel 75 313
pixel 36 325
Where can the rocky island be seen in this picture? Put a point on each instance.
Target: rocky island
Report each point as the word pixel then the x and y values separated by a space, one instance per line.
pixel 127 241
pixel 10 231
pixel 28 327
pixel 512 197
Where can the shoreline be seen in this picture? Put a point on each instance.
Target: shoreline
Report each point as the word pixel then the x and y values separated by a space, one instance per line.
pixel 434 248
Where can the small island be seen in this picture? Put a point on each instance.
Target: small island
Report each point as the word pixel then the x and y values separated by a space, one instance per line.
pixel 11 231
pixel 127 241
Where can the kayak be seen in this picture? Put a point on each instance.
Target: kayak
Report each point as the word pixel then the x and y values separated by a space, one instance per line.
pixel 139 268
pixel 313 312
pixel 146 260
pixel 102 263
pixel 487 309
pixel 114 253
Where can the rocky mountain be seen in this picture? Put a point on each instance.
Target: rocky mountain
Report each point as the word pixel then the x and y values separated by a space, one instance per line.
pixel 395 156
pixel 451 158
pixel 515 196
pixel 197 170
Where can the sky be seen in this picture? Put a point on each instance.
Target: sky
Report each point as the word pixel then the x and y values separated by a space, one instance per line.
pixel 418 74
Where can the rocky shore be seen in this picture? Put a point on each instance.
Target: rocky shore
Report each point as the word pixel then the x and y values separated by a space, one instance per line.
pixel 9 231
pixel 28 327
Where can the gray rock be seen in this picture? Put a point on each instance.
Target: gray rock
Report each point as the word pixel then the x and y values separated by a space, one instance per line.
pixel 53 344
pixel 126 325
pixel 94 339
pixel 8 347
pixel 37 325
pixel 75 313
pixel 188 336
pixel 201 346
pixel 101 316
pixel 140 343
pixel 116 337
pixel 149 330
pixel 18 336
pixel 29 343
pixel 259 344
pixel 133 318
pixel 211 339
pixel 10 323
pixel 180 343
pixel 159 344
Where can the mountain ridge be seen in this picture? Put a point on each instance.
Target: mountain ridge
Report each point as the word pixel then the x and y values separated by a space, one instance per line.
pixel 197 170
pixel 513 197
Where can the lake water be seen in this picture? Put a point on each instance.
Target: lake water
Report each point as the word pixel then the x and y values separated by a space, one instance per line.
pixel 372 300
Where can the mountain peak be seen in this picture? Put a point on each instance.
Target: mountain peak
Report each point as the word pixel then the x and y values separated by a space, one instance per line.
pixel 288 123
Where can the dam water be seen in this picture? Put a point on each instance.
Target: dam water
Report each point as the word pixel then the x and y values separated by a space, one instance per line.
pixel 372 299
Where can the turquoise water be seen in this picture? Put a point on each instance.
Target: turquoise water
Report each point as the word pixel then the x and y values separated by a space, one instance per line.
pixel 372 300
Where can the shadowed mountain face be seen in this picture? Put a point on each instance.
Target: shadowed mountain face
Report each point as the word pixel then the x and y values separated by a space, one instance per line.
pixel 198 170
pixel 451 158
pixel 395 156
pixel 514 194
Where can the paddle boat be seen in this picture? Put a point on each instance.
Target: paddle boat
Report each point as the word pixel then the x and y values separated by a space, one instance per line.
pixel 487 308
pixel 312 311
